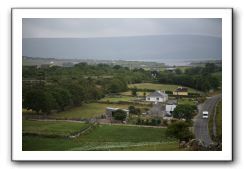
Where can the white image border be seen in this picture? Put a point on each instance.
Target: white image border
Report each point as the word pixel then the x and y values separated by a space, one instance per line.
pixel 224 155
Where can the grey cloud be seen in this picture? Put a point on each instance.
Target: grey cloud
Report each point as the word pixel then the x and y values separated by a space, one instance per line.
pixel 107 27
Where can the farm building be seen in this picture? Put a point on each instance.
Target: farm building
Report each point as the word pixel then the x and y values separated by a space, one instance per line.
pixel 170 106
pixel 110 110
pixel 157 96
pixel 181 91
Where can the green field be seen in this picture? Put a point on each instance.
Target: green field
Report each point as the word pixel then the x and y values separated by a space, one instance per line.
pixel 186 101
pixel 118 99
pixel 52 128
pixel 90 110
pixel 162 87
pixel 102 137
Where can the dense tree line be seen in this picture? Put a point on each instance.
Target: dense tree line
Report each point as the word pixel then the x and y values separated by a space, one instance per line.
pixel 43 98
pixel 200 78
pixel 100 72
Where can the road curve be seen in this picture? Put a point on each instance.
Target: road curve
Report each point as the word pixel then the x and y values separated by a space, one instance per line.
pixel 200 124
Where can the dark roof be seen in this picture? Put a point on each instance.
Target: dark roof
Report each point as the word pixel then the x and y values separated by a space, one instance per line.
pixel 181 89
pixel 157 94
pixel 171 102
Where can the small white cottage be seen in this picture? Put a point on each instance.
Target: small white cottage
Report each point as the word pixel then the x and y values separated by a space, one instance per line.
pixel 157 96
pixel 170 106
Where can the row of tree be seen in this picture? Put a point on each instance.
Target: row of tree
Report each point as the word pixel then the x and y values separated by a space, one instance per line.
pixel 44 97
pixel 200 78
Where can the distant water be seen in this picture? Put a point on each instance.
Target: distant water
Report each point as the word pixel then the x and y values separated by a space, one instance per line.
pixel 177 62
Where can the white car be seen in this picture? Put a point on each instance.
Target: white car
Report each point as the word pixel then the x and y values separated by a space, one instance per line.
pixel 205 114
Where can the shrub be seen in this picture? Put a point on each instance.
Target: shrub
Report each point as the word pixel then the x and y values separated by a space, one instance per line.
pixel 119 115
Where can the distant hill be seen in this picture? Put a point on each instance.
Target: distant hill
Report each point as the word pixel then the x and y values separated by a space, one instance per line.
pixel 30 61
pixel 156 48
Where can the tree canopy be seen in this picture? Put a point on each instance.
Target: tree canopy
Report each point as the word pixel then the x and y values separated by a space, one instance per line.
pixel 179 130
pixel 119 115
pixel 184 111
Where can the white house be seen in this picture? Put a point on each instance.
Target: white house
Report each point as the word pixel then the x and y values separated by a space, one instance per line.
pixel 170 106
pixel 157 96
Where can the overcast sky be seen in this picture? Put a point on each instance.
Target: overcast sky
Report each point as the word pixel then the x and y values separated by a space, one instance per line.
pixel 85 28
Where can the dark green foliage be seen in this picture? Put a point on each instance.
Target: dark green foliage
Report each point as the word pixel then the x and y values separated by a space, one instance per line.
pixel 132 110
pixel 151 122
pixel 40 101
pixel 200 78
pixel 178 71
pixel 179 130
pixel 134 91
pixel 77 93
pixel 155 122
pixel 168 92
pixel 119 115
pixel 62 96
pixel 116 85
pixel 184 111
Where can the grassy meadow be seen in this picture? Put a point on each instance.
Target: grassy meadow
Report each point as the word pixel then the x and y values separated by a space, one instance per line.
pixel 100 137
pixel 162 87
pixel 52 128
pixel 90 110
pixel 118 99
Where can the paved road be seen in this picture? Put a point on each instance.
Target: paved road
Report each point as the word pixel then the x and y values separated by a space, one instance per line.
pixel 200 124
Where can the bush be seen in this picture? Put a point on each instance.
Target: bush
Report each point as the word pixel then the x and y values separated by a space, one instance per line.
pixel 119 115
pixel 179 130
pixel 165 122
pixel 168 92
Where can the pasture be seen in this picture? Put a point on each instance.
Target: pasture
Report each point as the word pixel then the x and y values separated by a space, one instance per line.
pixel 118 99
pixel 52 128
pixel 163 87
pixel 101 137
pixel 90 110
pixel 186 101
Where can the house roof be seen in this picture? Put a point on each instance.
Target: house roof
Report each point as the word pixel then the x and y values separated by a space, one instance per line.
pixel 181 89
pixel 171 102
pixel 157 94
